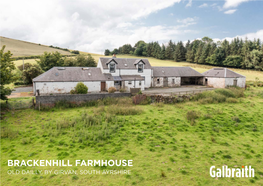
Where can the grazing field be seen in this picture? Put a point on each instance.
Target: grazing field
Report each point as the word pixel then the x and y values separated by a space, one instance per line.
pixel 169 144
pixel 22 48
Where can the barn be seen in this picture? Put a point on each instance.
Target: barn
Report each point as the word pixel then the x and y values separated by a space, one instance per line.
pixel 223 77
pixel 61 80
pixel 175 76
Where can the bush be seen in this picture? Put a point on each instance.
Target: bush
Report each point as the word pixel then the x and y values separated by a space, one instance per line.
pixel 81 88
pixel 75 52
pixel 112 90
pixel 192 116
pixel 72 92
pixel 122 90
pixel 231 100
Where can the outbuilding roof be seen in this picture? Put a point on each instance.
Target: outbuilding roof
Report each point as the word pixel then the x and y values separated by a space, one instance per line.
pixel 222 73
pixel 175 72
pixel 125 63
pixel 73 74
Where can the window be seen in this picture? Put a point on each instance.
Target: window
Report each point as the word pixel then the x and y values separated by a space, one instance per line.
pixel 140 67
pixel 112 67
pixel 140 83
pixel 158 81
pixel 129 82
pixel 173 81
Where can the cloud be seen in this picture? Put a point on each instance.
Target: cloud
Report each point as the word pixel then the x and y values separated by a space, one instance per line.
pixel 82 24
pixel 203 5
pixel 171 14
pixel 189 4
pixel 233 3
pixel 249 36
pixel 188 21
pixel 230 11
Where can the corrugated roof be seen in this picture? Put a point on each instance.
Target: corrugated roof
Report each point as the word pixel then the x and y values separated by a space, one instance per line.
pixel 175 72
pixel 76 74
pixel 222 72
pixel 125 63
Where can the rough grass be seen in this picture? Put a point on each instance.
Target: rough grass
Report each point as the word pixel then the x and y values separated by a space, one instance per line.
pixel 165 148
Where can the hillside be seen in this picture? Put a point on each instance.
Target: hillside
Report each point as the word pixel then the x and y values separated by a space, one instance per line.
pixel 22 48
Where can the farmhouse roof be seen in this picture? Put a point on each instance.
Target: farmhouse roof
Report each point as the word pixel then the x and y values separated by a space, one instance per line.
pixel 222 73
pixel 73 74
pixel 175 72
pixel 125 63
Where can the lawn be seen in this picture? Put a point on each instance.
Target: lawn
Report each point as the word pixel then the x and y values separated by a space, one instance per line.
pixel 165 147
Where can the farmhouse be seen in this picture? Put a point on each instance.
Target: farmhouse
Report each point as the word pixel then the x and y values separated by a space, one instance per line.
pixel 126 73
pixel 223 77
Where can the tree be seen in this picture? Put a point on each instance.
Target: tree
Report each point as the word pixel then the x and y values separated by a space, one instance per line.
pixel 30 72
pixel 107 52
pixel 233 61
pixel 207 40
pixel 80 61
pixel 50 60
pixel 140 49
pixel 180 51
pixel 6 67
pixel 162 53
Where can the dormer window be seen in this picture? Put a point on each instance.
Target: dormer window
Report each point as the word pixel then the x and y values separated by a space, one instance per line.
pixel 140 67
pixel 112 67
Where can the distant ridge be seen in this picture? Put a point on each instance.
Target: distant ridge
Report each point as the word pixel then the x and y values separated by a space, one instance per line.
pixel 24 48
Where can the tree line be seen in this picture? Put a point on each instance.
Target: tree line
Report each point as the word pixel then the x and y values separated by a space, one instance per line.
pixel 237 53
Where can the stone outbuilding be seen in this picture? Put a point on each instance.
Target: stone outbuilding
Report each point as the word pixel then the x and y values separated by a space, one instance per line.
pixel 223 77
pixel 175 76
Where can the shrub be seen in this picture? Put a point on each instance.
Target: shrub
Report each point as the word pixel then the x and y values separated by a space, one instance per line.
pixel 226 92
pixel 231 100
pixel 73 92
pixel 81 88
pixel 192 116
pixel 122 90
pixel 75 52
pixel 112 90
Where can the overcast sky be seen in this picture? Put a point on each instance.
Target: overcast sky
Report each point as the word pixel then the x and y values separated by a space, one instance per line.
pixel 94 25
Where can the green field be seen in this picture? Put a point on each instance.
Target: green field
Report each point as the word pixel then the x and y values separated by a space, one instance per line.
pixel 23 48
pixel 166 148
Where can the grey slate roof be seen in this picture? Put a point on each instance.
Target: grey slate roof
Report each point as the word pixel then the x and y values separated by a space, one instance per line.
pixel 73 74
pixel 130 63
pixel 128 78
pixel 175 72
pixel 222 73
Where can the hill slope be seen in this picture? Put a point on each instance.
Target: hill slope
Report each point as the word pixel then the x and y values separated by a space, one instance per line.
pixel 23 48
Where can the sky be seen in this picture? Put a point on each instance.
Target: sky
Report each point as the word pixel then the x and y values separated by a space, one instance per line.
pixel 93 26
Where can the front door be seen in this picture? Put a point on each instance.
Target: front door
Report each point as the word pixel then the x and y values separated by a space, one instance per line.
pixel 103 86
pixel 165 82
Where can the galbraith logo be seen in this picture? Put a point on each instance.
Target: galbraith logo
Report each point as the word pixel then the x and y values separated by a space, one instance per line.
pixel 232 172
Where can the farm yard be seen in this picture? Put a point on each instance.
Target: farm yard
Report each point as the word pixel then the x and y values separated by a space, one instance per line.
pixel 170 144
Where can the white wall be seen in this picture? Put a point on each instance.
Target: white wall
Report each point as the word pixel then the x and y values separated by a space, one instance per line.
pixel 177 81
pixel 64 87
pixel 109 84
pixel 241 82
pixel 216 82
pixel 224 82
pixel 137 85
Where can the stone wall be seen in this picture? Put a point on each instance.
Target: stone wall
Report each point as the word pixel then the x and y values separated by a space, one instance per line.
pixel 76 98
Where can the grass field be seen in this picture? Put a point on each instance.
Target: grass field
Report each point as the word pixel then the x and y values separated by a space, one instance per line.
pixel 165 147
pixel 22 48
